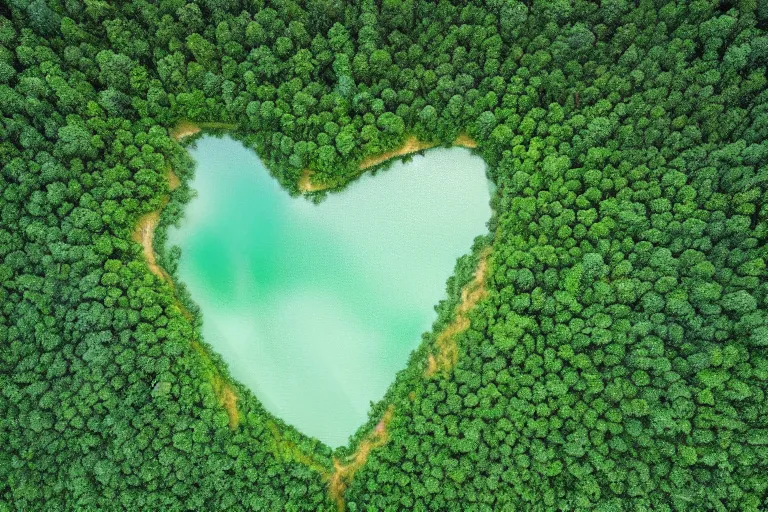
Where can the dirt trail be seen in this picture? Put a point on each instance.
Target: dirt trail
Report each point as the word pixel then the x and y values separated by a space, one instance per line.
pixel 183 129
pixel 306 185
pixel 173 181
pixel 286 450
pixel 344 472
pixel 228 400
pixel 414 145
pixel 186 128
pixel 447 350
pixel 221 388
pixel 411 145
pixel 143 234
pixel 465 141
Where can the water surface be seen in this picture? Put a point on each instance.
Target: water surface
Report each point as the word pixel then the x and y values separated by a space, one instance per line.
pixel 316 307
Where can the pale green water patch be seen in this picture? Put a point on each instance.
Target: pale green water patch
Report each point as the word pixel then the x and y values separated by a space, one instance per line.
pixel 316 307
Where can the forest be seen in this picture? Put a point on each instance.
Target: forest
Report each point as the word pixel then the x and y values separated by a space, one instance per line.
pixel 603 348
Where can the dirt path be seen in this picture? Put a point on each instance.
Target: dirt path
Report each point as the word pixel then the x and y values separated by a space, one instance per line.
pixel 144 234
pixel 183 129
pixel 411 145
pixel 286 450
pixel 223 390
pixel 186 128
pixel 173 181
pixel 306 185
pixel 447 351
pixel 344 472
pixel 340 476
pixel 465 141
pixel 228 400
pixel 414 145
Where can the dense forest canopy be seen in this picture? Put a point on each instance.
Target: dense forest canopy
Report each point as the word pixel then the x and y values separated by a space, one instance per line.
pixel 617 358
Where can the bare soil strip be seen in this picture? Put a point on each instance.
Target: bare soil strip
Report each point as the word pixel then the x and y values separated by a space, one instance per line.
pixel 173 181
pixel 306 185
pixel 286 450
pixel 344 472
pixel 447 350
pixel 465 141
pixel 143 234
pixel 228 400
pixel 221 388
pixel 183 129
pixel 411 145
pixel 186 128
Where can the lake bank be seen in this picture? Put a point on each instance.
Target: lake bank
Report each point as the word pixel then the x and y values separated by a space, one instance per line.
pixel 410 146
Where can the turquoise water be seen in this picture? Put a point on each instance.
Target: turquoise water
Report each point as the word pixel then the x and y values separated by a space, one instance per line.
pixel 316 307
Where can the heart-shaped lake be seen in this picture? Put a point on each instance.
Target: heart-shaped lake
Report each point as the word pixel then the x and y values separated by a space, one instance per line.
pixel 315 307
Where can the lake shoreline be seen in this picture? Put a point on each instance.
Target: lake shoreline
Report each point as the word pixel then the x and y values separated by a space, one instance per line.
pixel 411 146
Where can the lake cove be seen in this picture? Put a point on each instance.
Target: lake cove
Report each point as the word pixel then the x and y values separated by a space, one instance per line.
pixel 316 307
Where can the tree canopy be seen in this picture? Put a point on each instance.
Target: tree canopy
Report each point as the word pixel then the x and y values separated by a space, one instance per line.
pixel 618 359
